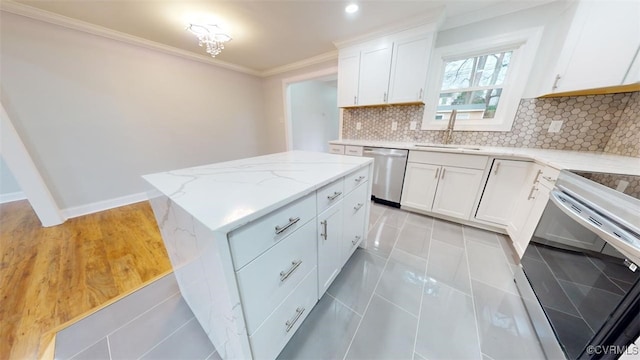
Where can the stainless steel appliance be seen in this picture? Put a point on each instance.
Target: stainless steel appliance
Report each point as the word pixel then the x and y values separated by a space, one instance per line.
pixel 388 174
pixel 578 277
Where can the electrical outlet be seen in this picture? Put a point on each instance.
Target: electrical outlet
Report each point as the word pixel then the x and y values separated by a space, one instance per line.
pixel 413 125
pixel 358 125
pixel 555 126
pixel 394 125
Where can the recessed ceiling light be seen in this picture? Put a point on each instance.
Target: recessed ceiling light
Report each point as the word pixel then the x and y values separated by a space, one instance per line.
pixel 351 8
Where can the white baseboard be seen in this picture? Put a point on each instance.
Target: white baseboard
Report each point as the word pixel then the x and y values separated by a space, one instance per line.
pixel 14 196
pixel 103 205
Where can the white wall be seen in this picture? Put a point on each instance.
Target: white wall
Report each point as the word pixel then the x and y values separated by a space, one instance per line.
pixel 274 103
pixel 95 114
pixel 314 115
pixel 8 184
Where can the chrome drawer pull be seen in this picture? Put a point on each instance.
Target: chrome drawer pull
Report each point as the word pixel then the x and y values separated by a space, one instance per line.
pixel 497 168
pixel 359 178
pixel 358 207
pixel 355 241
pixel 292 221
pixel 285 274
pixel 324 227
pixel 334 196
pixel 549 178
pixel 292 322
pixel 537 176
pixel 437 173
pixel 533 188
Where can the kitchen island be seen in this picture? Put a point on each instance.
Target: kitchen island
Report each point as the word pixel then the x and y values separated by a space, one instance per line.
pixel 254 243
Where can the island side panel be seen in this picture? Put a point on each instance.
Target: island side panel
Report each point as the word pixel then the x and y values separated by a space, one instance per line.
pixel 202 265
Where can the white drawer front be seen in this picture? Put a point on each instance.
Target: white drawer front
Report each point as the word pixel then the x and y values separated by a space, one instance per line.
pixel 330 194
pixel 356 179
pixel 548 177
pixel 353 150
pixel 354 210
pixel 336 149
pixel 253 239
pixel 273 335
pixel 265 282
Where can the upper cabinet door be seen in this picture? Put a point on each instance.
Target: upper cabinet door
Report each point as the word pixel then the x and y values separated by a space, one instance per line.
pixel 600 46
pixel 348 76
pixel 375 66
pixel 409 69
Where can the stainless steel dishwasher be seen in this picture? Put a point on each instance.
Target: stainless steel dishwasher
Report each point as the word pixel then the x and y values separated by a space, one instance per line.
pixel 388 174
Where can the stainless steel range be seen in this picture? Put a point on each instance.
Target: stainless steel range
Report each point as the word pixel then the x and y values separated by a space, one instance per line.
pixel 579 277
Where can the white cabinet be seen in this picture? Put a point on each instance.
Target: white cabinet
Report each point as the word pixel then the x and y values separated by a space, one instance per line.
pixel 530 204
pixel 329 241
pixel 375 66
pixel 443 183
pixel 505 183
pixel 354 212
pixel 409 69
pixel 336 149
pixel 388 70
pixel 600 46
pixel 457 191
pixel 353 150
pixel 348 76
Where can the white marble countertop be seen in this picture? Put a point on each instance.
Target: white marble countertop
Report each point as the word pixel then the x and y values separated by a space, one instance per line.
pixel 227 195
pixel 559 159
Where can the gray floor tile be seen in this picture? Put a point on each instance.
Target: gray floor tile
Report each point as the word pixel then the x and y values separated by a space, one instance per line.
pixel 402 280
pixel 414 239
pixel 189 342
pixel 509 251
pixel 98 351
pixel 447 328
pixel 488 264
pixel 447 232
pixel 481 236
pixel 214 356
pixel 381 239
pixel 417 356
pixel 448 264
pixel 148 330
pixel 357 280
pixel 504 326
pixel 325 334
pixel 393 217
pixel 486 357
pixel 419 220
pixel 386 332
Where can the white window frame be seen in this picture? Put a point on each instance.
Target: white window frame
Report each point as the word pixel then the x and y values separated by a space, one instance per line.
pixel 523 43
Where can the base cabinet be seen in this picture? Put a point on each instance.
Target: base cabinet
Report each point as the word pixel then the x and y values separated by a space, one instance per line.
pixel 457 191
pixel 506 181
pixel 354 215
pixel 420 183
pixel 329 239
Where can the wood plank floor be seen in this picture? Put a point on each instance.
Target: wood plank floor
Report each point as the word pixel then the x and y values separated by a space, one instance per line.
pixel 49 276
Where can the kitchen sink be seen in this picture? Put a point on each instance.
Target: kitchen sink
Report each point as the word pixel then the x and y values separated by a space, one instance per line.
pixel 453 147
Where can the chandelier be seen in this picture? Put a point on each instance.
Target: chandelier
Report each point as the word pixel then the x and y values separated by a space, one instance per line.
pixel 210 36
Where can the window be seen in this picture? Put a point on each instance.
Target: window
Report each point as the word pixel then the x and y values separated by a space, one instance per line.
pixel 483 80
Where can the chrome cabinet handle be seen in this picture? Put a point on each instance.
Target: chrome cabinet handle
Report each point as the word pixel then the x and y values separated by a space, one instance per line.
pixel 437 173
pixel 537 176
pixel 533 188
pixel 355 240
pixel 385 97
pixel 292 221
pixel 420 94
pixel 358 206
pixel 359 178
pixel 334 196
pixel 295 318
pixel 549 178
pixel 555 83
pixel 497 167
pixel 443 170
pixel 285 274
pixel 324 229
pixel 355 100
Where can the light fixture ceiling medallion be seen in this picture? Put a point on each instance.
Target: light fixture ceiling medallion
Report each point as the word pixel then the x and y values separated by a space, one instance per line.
pixel 210 36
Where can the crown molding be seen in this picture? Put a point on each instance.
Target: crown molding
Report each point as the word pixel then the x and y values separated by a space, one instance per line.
pixel 67 22
pixel 428 22
pixel 331 55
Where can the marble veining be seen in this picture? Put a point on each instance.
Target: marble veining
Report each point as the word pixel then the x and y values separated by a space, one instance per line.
pixel 224 196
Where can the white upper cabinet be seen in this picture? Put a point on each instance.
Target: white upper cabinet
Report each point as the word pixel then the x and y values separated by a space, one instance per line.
pixel 388 70
pixel 375 66
pixel 600 47
pixel 348 75
pixel 409 69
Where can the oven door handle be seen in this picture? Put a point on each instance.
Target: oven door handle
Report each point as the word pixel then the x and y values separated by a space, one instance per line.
pixel 607 230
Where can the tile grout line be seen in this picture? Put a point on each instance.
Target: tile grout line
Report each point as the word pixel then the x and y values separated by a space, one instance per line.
pixel 504 253
pixel 373 293
pixel 343 304
pixel 166 337
pixel 109 347
pixel 424 284
pixel 473 300
pixel 396 305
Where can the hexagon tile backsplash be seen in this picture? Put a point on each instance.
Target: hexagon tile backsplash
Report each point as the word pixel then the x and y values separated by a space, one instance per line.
pixel 609 123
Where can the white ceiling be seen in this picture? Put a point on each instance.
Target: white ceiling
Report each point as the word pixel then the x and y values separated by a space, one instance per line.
pixel 266 34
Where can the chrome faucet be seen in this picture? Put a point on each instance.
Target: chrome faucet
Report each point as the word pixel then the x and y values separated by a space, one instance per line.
pixel 452 122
